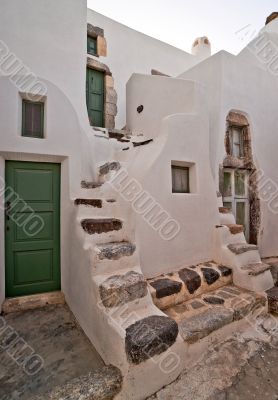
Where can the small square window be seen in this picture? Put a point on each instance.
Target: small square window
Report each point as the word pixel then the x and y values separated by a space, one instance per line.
pixel 180 179
pixel 91 46
pixel 32 119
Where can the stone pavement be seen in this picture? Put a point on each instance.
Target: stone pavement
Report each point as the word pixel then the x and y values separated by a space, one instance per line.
pixel 241 368
pixel 54 335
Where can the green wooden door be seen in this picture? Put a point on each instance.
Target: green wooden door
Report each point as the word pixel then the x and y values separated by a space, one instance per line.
pixel 32 226
pixel 95 97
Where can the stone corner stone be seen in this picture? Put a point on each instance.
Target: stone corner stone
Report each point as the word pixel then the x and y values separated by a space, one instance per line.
pixel 149 337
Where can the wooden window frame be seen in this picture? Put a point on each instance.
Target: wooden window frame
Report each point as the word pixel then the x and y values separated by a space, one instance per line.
pixel 187 171
pixel 25 133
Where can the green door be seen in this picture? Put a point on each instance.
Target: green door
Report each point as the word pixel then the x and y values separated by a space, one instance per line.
pixel 95 97
pixel 32 226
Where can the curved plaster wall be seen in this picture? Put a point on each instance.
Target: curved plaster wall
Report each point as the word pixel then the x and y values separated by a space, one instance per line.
pixel 184 138
pixel 246 83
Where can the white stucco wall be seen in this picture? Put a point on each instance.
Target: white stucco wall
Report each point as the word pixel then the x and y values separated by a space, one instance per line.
pixel 129 51
pixel 245 83
pixel 50 39
pixel 184 138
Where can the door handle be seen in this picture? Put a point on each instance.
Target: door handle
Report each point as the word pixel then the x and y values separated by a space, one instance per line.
pixel 7 209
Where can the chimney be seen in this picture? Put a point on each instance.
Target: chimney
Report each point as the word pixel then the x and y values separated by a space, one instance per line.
pixel 201 48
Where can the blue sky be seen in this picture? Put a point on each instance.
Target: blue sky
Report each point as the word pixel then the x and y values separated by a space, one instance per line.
pixel 179 22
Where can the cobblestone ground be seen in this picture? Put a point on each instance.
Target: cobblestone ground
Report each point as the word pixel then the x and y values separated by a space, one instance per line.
pixel 242 368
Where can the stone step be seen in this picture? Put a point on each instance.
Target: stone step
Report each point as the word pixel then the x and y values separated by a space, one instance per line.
pixel 256 268
pixel 235 228
pixel 104 383
pixel 96 203
pixel 149 337
pixel 101 225
pixel 109 166
pixel 272 297
pixel 190 282
pixel 240 248
pixel 225 210
pixel 115 250
pixel 121 289
pixel 207 313
pixel 90 185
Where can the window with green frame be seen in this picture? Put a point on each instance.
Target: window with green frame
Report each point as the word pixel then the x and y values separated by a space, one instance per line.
pixel 32 119
pixel 91 46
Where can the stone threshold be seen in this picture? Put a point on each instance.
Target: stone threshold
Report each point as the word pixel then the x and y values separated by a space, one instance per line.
pixel 32 302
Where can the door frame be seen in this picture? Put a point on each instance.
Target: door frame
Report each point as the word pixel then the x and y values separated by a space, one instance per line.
pixel 44 160
pixel 234 199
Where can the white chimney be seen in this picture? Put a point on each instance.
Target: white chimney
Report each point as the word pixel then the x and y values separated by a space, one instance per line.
pixel 201 48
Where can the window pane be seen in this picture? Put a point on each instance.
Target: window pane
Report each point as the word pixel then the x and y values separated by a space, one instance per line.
pixel 91 46
pixel 236 134
pixel 236 140
pixel 227 184
pixel 240 213
pixel 240 183
pixel 236 150
pixel 227 204
pixel 180 179
pixel 32 119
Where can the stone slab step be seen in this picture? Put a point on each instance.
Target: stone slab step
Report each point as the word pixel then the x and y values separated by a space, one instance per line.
pixel 272 297
pixel 90 185
pixel 240 248
pixel 109 166
pixel 225 210
pixel 103 384
pixel 149 337
pixel 207 313
pixel 101 225
pixel 115 250
pixel 177 287
pixel 235 228
pixel 256 268
pixel 121 289
pixel 96 203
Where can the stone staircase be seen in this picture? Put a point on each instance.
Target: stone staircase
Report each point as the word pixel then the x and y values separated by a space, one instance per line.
pixel 231 249
pixel 202 299
pixel 120 300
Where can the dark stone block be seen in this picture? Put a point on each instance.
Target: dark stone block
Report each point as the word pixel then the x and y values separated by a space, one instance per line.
pixel 149 337
pixel 99 225
pixel 225 271
pixel 121 289
pixel 210 275
pixel 115 250
pixel 191 279
pixel 196 304
pixel 89 202
pixel 166 287
pixel 272 296
pixel 214 300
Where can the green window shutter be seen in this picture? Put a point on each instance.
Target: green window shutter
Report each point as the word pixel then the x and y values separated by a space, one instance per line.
pixel 91 46
pixel 32 119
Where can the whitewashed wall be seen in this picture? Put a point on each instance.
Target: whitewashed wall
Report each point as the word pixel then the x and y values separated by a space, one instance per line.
pixel 245 83
pixel 129 51
pixel 180 137
pixel 49 37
